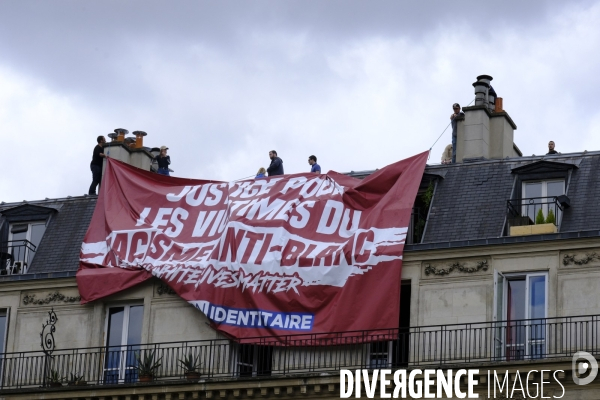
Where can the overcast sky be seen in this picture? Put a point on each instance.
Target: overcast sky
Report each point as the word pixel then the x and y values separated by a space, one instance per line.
pixel 360 84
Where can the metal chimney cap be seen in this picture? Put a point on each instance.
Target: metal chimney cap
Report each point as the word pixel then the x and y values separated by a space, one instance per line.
pixel 481 83
pixel 112 135
pixel 485 78
pixel 121 131
pixel 139 133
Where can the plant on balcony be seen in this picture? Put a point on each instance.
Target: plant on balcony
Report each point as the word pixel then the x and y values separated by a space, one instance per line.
pixel 551 218
pixel 190 366
pixel 539 218
pixel 146 366
pixel 54 379
pixel 76 380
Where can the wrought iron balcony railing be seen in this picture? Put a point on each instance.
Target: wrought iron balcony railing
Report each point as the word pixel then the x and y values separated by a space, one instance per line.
pixel 526 211
pixel 434 346
pixel 16 256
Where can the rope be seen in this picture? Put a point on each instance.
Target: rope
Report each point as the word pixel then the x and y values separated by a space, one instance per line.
pixel 439 137
pixel 246 177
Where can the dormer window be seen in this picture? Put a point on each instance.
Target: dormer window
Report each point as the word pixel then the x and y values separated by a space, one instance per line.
pixel 538 200
pixel 21 231
pixel 23 240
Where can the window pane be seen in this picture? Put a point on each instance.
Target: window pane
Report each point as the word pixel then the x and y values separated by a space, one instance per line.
pixel 114 339
pixel 37 231
pixel 499 297
pixel 115 326
pixel 537 297
pixel 556 188
pixel 136 313
pixel 2 330
pixel 19 236
pixel 515 331
pixel 516 299
pixel 533 189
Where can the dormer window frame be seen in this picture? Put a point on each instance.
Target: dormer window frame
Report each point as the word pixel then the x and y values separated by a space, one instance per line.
pixel 537 171
pixel 17 253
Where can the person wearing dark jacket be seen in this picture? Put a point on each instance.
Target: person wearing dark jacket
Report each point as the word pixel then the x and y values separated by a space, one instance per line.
pixel 163 161
pixel 96 164
pixel 276 167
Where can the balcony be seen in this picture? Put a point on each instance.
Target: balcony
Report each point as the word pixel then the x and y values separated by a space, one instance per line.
pixel 535 215
pixel 16 256
pixel 438 346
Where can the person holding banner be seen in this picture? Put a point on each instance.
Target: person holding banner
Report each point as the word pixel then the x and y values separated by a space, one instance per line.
pixel 276 167
pixel 96 164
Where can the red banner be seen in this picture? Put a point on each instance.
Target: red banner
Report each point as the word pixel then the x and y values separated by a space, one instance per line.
pixel 287 254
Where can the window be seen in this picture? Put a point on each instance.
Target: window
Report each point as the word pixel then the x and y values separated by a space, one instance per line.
pixel 254 360
pixel 380 354
pixel 23 240
pixel 520 309
pixel 3 334
pixel 540 195
pixel 3 330
pixel 123 338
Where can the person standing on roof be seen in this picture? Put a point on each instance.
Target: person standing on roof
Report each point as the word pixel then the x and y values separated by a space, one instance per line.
pixel 163 161
pixel 96 164
pixel 551 148
pixel 454 122
pixel 261 173
pixel 276 167
pixel 447 155
pixel 315 168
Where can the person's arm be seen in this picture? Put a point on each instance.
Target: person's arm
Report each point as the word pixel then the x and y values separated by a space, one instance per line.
pixel 100 151
pixel 169 160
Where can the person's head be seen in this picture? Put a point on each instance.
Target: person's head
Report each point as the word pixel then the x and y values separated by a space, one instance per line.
pixel 163 150
pixel 312 160
pixel 456 107
pixel 272 154
pixel 100 139
pixel 551 145
pixel 261 171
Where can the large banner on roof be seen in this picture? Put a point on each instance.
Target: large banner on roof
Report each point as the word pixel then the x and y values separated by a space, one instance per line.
pixel 281 255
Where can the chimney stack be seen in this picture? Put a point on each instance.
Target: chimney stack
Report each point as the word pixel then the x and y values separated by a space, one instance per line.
pixel 486 131
pixel 129 150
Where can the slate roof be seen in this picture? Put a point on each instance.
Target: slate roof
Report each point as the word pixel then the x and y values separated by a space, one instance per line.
pixel 470 200
pixel 60 245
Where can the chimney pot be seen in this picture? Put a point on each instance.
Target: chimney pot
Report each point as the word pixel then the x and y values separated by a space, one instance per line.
pixel 485 78
pixel 498 105
pixel 481 90
pixel 112 136
pixel 121 134
pixel 139 139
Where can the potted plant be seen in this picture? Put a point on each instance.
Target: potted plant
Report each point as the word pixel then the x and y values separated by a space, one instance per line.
pixel 190 366
pixel 54 379
pixel 76 380
pixel 551 218
pixel 146 366
pixel 539 218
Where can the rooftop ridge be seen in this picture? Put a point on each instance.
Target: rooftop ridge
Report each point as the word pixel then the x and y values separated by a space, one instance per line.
pixel 47 200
